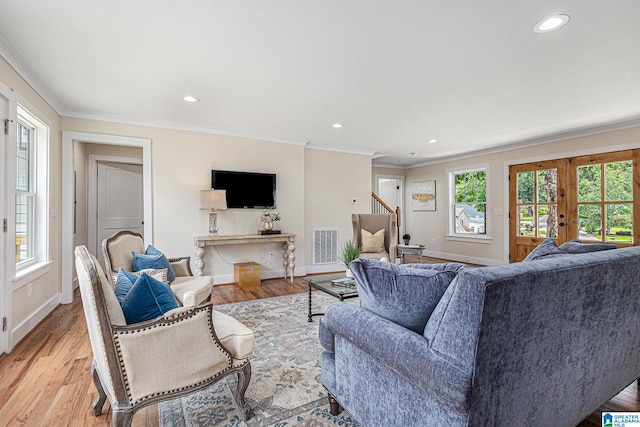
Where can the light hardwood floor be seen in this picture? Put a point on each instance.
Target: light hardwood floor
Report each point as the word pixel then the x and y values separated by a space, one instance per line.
pixel 45 380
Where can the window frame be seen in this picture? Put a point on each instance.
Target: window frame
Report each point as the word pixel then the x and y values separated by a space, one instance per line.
pixel 29 192
pixel 451 205
pixel 38 190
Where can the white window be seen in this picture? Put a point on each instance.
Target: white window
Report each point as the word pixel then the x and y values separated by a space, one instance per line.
pixel 468 195
pixel 25 194
pixel 31 198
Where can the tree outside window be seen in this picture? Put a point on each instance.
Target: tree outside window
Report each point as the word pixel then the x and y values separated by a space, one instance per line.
pixel 605 202
pixel 470 205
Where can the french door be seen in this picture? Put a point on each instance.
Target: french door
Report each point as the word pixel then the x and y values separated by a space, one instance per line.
pixel 537 205
pixel 594 198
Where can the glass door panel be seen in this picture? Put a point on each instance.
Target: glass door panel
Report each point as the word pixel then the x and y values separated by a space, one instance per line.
pixel 605 201
pixel 537 188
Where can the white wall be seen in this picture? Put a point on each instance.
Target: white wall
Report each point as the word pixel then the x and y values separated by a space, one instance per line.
pixel 332 179
pixel 26 311
pixel 181 166
pixel 429 228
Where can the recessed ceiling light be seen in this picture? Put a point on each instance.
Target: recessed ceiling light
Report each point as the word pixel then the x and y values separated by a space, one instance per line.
pixel 432 141
pixel 337 125
pixel 551 23
pixel 190 98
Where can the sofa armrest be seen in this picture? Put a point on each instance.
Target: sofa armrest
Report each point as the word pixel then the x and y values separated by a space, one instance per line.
pixel 181 266
pixel 441 266
pixel 399 349
pixel 177 350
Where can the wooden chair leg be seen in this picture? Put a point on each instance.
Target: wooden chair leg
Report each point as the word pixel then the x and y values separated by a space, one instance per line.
pixel 121 418
pixel 244 376
pixel 334 406
pixel 97 404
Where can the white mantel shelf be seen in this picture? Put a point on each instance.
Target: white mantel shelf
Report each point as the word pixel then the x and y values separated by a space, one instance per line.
pixel 287 239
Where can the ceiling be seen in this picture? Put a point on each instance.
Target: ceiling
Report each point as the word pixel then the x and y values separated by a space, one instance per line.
pixel 472 75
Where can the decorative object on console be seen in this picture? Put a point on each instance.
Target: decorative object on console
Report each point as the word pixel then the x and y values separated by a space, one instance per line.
pixel 213 199
pixel 267 218
pixel 268 232
pixel 350 252
pixel 406 237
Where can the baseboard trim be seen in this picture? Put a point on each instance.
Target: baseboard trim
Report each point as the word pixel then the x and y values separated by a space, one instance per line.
pixel 20 331
pixel 325 268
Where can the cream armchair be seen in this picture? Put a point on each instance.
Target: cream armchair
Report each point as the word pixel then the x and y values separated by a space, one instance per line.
pixel 184 351
pixel 373 223
pixel 188 289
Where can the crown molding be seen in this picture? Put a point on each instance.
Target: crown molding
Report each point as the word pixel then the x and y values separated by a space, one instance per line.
pixel 164 124
pixel 314 146
pixel 14 59
pixel 556 137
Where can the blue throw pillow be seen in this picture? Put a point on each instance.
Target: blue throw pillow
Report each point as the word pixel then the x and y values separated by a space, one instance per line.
pixel 147 299
pixel 546 249
pixel 153 258
pixel 124 282
pixel 404 295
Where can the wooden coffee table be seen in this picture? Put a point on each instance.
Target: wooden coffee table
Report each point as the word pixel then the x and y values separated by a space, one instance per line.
pixel 322 282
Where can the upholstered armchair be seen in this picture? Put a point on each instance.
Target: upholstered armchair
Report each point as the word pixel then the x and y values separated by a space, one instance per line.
pixel 188 289
pixel 183 351
pixel 372 224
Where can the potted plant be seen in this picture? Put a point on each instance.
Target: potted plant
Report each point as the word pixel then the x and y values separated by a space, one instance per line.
pixel 349 252
pixel 268 218
pixel 406 237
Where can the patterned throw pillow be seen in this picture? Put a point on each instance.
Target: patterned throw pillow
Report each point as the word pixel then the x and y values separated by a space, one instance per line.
pixel 372 242
pixel 153 258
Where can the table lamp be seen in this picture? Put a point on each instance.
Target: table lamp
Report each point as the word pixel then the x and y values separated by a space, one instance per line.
pixel 213 199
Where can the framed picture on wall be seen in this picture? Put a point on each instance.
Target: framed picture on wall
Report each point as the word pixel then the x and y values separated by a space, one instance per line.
pixel 423 196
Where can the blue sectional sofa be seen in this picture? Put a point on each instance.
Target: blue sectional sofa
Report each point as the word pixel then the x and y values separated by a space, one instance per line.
pixel 543 342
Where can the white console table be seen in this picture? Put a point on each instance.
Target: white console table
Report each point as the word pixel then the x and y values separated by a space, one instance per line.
pixel 287 239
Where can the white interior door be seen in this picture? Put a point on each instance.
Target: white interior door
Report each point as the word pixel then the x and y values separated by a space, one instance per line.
pixel 120 202
pixel 391 191
pixel 388 192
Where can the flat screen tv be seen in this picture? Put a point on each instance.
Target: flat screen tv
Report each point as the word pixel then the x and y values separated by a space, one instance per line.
pixel 246 190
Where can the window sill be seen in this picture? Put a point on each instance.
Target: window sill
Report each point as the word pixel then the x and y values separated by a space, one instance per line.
pixel 469 239
pixel 29 274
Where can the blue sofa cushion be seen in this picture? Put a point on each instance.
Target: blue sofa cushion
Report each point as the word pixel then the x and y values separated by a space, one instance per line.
pixel 401 294
pixel 547 249
pixel 153 258
pixel 576 246
pixel 147 299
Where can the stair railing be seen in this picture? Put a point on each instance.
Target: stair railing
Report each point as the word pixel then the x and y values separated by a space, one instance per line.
pixel 378 206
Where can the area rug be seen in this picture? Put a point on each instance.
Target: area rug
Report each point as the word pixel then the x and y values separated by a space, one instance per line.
pixel 285 387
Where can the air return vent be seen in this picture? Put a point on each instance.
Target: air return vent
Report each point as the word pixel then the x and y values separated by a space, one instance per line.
pixel 325 246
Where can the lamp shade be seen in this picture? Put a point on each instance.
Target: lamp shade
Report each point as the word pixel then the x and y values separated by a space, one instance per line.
pixel 213 199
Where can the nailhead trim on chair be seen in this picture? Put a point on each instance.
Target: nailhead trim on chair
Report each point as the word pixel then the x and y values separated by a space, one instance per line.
pixel 125 330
